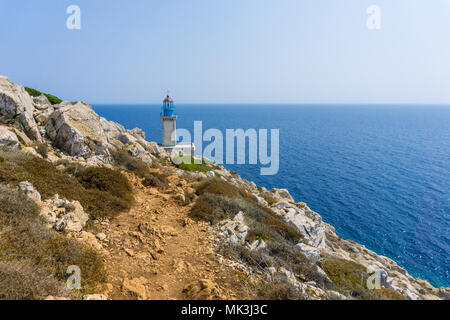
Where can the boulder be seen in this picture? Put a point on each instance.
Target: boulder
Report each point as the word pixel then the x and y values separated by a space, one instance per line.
pixel 312 230
pixel 135 287
pixel 41 102
pixel 203 289
pixel 310 252
pixel 77 130
pixel 8 138
pixel 41 116
pixel 14 100
pixel 64 215
pixel 29 125
pixel 282 194
pixel 28 189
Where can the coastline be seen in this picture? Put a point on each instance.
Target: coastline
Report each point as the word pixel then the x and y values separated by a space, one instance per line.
pixel 73 132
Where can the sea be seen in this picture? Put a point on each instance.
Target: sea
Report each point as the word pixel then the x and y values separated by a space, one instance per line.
pixel 380 174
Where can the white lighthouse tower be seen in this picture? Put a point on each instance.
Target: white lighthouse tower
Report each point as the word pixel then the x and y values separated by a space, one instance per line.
pixel 169 123
pixel 169 130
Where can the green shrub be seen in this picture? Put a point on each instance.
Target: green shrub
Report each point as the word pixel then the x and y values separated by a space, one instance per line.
pixel 350 278
pixel 105 179
pixel 62 253
pixel 25 281
pixel 36 93
pixel 156 180
pixel 187 163
pixel 220 187
pixel 212 208
pixel 27 244
pixel 101 191
pixel 42 149
pixel 125 160
pixel 15 207
pixel 280 289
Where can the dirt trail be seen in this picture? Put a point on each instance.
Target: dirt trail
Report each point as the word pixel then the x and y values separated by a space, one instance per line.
pixel 155 251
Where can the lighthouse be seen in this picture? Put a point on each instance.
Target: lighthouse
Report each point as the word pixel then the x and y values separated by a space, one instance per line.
pixel 169 123
pixel 169 131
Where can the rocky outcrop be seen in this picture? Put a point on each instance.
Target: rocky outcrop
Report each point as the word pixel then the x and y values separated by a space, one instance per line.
pixel 14 99
pixel 28 189
pixel 64 215
pixel 8 138
pixel 29 126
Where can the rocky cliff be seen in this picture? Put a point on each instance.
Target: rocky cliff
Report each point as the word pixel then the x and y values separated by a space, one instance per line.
pixel 239 240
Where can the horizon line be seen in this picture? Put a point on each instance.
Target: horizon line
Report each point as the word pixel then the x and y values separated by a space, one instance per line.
pixel 279 103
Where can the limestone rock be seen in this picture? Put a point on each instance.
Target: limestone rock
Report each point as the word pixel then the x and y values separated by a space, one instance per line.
pixel 135 287
pixel 64 215
pixel 90 240
pixel 282 194
pixel 28 189
pixel 77 130
pixel 41 102
pixel 101 236
pixel 8 138
pixel 310 252
pixel 312 230
pixel 29 125
pixel 203 289
pixel 14 100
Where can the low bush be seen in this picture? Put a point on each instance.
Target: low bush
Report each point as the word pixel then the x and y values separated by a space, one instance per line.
pixel 220 187
pixel 27 244
pixel 35 93
pixel 280 289
pixel 25 281
pixel 125 160
pixel 101 191
pixel 157 180
pixel 42 149
pixel 211 207
pixel 350 278
pixel 187 163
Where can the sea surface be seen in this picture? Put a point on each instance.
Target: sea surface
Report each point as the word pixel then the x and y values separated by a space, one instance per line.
pixel 379 173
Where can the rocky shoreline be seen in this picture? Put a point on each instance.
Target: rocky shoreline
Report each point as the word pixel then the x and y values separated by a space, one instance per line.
pixel 73 132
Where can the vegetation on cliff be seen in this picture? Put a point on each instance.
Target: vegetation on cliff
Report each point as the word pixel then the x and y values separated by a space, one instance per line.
pixel 37 93
pixel 33 258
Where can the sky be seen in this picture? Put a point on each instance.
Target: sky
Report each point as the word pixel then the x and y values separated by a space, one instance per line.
pixel 230 51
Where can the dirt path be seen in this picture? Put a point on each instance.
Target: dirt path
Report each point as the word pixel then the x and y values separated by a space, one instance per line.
pixel 155 251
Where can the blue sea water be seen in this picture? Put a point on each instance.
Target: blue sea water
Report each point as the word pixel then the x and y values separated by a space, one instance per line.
pixel 379 173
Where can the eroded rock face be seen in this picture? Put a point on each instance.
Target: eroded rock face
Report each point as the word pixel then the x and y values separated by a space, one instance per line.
pixel 41 102
pixel 28 189
pixel 64 215
pixel 77 130
pixel 305 221
pixel 13 99
pixel 8 138
pixel 29 126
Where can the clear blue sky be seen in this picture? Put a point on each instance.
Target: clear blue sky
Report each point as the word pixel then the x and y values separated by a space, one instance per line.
pixel 230 51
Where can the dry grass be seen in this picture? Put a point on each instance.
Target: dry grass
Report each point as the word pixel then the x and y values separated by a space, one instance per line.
pixel 26 245
pixel 350 279
pixel 101 191
pixel 125 160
